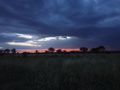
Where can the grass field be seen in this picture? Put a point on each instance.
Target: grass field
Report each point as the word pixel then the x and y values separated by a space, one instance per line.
pixel 60 72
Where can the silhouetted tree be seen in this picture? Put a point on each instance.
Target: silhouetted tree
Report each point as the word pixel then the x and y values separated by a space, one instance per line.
pixel 84 49
pixel 94 50
pixel 59 51
pixel 98 49
pixel 7 51
pixel 64 51
pixel 36 51
pixel 46 51
pixel 101 48
pixel 17 52
pixel 13 51
pixel 51 49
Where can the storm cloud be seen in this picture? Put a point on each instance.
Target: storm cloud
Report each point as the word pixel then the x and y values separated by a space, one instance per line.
pixel 87 22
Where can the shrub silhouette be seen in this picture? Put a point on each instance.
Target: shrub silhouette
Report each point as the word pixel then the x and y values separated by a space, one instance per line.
pixel 59 51
pixel 98 49
pixel 101 48
pixel 36 51
pixel 94 50
pixel 84 49
pixel 7 51
pixel 51 49
pixel 13 51
pixel 24 54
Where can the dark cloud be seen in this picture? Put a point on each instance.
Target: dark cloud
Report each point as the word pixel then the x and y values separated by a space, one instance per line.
pixel 8 37
pixel 93 22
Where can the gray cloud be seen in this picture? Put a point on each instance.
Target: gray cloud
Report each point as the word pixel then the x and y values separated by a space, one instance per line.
pixel 94 22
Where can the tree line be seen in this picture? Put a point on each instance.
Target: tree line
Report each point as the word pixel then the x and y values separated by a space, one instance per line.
pixel 82 49
pixel 53 50
pixel 7 51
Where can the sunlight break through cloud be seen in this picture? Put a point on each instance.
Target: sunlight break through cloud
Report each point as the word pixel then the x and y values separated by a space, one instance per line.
pixel 55 38
pixel 23 44
pixel 24 36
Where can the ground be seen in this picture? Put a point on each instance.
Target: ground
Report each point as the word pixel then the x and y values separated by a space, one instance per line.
pixel 60 72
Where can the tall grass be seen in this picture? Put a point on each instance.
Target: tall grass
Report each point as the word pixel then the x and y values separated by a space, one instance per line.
pixel 60 72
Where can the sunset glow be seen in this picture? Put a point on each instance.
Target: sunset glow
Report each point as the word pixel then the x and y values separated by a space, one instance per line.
pixel 1 47
pixel 43 50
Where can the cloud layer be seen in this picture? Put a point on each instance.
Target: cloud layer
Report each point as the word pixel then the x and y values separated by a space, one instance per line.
pixel 88 22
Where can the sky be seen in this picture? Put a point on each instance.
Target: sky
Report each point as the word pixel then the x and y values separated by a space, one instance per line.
pixel 66 24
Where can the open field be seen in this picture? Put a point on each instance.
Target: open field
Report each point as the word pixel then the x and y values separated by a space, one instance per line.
pixel 60 72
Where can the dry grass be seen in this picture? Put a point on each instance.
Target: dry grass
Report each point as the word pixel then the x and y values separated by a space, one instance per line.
pixel 60 72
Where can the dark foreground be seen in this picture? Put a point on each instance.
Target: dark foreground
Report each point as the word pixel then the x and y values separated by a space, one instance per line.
pixel 60 72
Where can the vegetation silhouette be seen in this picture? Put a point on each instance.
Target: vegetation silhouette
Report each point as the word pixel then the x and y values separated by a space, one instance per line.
pixel 59 51
pixel 83 49
pixel 36 51
pixel 64 71
pixel 101 48
pixel 7 51
pixel 46 51
pixel 51 49
pixel 98 49
pixel 64 51
pixel 13 51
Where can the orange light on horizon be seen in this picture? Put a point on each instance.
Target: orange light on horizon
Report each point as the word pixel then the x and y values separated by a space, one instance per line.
pixel 43 50
pixel 1 47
